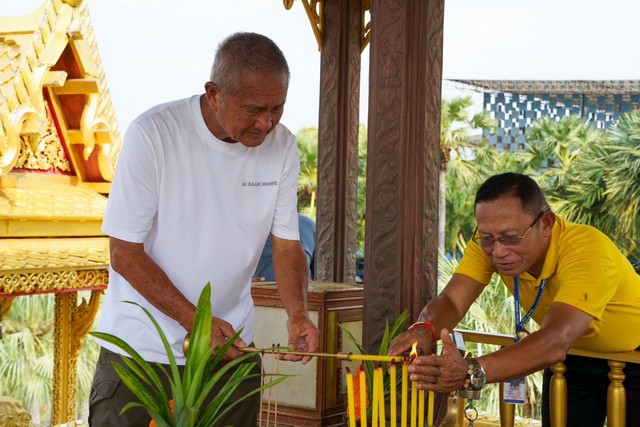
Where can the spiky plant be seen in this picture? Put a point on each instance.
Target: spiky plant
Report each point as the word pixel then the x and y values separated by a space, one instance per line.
pixel 202 371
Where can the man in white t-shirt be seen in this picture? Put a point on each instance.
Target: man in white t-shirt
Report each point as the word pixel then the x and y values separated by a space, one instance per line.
pixel 200 184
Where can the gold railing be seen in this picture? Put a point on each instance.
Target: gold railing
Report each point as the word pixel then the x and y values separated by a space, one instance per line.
pixel 616 396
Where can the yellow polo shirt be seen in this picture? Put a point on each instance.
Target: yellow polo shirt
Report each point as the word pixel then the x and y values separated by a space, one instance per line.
pixel 584 269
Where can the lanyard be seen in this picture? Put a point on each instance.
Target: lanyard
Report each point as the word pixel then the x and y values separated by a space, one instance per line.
pixel 516 298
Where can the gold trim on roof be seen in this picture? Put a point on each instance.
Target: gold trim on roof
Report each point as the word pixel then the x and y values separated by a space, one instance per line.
pixel 50 211
pixel 21 256
pixel 315 13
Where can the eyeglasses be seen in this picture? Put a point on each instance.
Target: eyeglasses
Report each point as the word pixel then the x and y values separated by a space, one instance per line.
pixel 489 241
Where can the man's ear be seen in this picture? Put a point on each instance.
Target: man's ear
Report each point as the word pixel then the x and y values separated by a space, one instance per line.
pixel 548 220
pixel 213 95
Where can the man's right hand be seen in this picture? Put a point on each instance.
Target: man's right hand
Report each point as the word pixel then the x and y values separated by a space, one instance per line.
pixel 221 331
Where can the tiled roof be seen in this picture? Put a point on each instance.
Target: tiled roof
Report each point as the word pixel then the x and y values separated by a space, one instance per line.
pixel 599 87
pixel 53 254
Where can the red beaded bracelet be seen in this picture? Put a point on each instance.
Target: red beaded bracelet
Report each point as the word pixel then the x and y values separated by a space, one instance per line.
pixel 429 327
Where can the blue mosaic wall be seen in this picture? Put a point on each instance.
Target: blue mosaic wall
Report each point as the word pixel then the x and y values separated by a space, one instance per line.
pixel 516 112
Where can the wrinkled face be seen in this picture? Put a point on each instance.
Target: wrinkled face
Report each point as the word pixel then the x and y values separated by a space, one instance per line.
pixel 505 217
pixel 248 115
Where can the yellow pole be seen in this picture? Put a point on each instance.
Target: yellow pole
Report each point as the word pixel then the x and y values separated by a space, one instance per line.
pixel 363 397
pixel 421 408
pixel 431 408
pixel 405 392
pixel 392 393
pixel 414 404
pixel 376 397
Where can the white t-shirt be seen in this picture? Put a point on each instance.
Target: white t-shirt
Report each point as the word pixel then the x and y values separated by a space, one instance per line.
pixel 203 209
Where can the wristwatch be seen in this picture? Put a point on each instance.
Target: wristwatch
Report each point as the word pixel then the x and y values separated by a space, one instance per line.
pixel 476 377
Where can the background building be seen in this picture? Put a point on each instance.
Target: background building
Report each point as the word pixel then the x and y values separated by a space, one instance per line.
pixel 517 103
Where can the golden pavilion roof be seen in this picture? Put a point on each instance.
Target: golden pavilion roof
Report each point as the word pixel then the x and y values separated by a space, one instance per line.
pixel 59 142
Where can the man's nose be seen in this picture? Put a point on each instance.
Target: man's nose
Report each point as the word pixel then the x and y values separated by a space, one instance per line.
pixel 264 121
pixel 499 249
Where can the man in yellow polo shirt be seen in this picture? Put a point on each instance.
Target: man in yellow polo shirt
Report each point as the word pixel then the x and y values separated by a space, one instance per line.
pixel 571 279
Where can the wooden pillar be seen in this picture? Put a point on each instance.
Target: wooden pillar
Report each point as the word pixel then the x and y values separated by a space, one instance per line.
pixel 402 161
pixel 338 142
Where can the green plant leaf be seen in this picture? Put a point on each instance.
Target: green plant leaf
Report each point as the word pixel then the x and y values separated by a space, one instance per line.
pixel 190 389
pixel 151 376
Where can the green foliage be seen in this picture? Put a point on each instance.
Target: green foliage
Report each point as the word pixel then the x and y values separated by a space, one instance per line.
pixel 308 180
pixel 389 334
pixel 26 356
pixel 308 186
pixel 362 186
pixel 201 374
pixel 459 165
pixel 456 124
pixel 591 176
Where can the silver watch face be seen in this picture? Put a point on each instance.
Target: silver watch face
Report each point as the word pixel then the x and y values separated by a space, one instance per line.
pixel 478 380
pixel 478 377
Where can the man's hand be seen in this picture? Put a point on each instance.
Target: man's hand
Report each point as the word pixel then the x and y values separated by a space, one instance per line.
pixel 303 337
pixel 221 331
pixel 402 343
pixel 443 373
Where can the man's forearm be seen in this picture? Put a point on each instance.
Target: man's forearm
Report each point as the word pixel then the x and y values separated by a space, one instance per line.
pixel 150 281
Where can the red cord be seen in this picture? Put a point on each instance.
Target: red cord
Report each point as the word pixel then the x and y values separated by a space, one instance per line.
pixel 429 327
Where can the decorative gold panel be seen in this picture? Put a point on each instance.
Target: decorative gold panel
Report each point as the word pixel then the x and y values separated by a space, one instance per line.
pixel 47 155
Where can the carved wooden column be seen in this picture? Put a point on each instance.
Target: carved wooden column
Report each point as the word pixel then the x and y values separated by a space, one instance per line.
pixel 338 141
pixel 402 161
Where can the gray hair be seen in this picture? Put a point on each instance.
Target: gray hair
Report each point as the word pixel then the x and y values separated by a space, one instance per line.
pixel 242 52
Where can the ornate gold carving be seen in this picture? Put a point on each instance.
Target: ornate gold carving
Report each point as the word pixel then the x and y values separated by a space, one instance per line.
pixel 365 17
pixel 48 154
pixel 12 414
pixel 72 323
pixel 314 10
pixel 51 281
pixel 94 278
pixel 5 305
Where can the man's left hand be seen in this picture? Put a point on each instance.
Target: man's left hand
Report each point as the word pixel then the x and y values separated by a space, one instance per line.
pixel 443 373
pixel 303 337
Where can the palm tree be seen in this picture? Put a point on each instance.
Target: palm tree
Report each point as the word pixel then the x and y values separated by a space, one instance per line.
pixel 456 147
pixel 26 353
pixel 26 357
pixel 622 195
pixel 308 179
pixel 555 145
pixel 590 176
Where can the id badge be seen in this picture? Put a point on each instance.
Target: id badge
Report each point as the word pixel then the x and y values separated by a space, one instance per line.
pixel 515 391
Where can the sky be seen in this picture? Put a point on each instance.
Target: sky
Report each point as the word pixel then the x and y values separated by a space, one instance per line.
pixel 155 51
